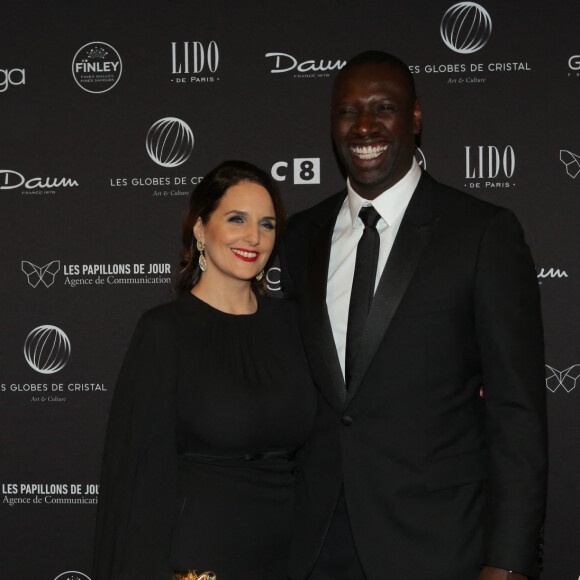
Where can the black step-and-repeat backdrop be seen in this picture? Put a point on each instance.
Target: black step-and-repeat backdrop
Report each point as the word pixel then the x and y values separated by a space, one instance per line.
pixel 110 114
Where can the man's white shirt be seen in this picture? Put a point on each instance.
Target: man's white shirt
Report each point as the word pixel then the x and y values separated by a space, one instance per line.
pixel 391 206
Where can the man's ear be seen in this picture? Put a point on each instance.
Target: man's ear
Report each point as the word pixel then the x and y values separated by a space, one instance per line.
pixel 417 117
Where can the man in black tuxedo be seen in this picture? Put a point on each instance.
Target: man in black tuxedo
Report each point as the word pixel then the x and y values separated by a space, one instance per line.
pixel 421 320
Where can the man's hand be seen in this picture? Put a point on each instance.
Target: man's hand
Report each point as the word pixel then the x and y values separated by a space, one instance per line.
pixel 490 573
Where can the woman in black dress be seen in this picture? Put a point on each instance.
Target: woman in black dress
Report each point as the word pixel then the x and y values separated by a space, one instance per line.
pixel 213 400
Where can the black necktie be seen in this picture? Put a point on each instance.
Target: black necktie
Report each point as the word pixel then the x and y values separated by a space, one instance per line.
pixel 363 285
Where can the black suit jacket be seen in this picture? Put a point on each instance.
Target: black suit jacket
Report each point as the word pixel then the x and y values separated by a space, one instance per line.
pixel 438 481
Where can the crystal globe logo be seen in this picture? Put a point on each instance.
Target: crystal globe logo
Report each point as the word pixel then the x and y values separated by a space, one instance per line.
pixel 169 142
pixel 72 575
pixel 466 27
pixel 47 349
pixel 420 157
pixel 97 67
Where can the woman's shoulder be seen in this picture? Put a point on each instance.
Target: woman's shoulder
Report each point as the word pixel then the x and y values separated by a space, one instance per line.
pixel 165 317
pixel 161 312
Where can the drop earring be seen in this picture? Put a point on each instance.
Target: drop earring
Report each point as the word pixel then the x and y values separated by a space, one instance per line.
pixel 260 276
pixel 202 260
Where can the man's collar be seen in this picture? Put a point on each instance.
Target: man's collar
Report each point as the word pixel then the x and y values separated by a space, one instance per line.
pixel 391 202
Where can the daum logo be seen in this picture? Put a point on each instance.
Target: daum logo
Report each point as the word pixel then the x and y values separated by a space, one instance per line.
pixel 466 27
pixel 12 179
pixel 72 575
pixel 37 274
pixel 565 379
pixel 12 77
pixel 571 161
pixel 47 349
pixel 283 63
pixel 552 273
pixel 169 142
pixel 97 67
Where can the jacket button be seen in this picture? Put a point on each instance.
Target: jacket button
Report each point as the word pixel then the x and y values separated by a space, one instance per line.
pixel 346 421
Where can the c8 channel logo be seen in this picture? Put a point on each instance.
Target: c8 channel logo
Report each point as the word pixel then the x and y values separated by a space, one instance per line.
pixel 306 171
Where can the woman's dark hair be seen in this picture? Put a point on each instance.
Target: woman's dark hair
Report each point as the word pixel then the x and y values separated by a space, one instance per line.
pixel 203 202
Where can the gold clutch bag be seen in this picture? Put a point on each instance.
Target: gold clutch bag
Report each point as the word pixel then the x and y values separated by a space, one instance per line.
pixel 194 575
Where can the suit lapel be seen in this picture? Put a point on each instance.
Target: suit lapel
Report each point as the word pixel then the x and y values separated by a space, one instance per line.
pixel 322 348
pixel 412 239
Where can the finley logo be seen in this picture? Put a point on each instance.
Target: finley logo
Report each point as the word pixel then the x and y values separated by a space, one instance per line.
pixel 466 27
pixel 169 142
pixel 47 349
pixel 37 274
pixel 571 161
pixel 72 575
pixel 565 379
pixel 97 67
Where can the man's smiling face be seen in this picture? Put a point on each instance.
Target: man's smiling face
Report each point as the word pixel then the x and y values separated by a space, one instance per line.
pixel 375 117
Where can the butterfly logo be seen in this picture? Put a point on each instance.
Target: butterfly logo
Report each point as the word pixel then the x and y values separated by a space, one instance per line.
pixel 565 379
pixel 44 274
pixel 571 161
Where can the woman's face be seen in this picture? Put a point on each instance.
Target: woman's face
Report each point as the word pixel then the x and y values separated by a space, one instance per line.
pixel 239 235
